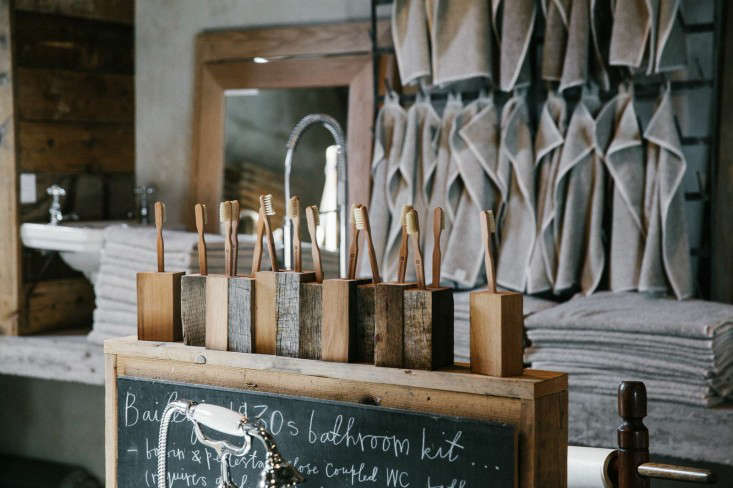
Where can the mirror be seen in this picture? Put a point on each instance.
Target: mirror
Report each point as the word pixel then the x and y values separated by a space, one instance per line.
pixel 257 125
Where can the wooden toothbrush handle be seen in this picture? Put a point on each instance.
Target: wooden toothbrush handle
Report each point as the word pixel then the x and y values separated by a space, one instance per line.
pixel 315 250
pixel 270 243
pixel 257 253
pixel 373 258
pixel 297 251
pixel 228 249
pixel 235 236
pixel 419 268
pixel 353 252
pixel 402 269
pixel 488 259
pixel 161 254
pixel 203 264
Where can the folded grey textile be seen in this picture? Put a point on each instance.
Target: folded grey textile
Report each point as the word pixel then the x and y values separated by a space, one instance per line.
pixel 682 431
pixel 411 39
pixel 638 313
pixel 461 321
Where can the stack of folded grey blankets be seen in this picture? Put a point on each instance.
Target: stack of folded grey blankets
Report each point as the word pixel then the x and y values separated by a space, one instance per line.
pixel 128 250
pixel 681 350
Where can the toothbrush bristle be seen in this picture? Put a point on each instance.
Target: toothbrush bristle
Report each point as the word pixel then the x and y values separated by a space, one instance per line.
pixel 405 210
pixel 413 227
pixel 225 211
pixel 360 218
pixel 316 215
pixel 268 205
pixel 352 214
pixel 442 220
pixel 294 207
pixel 203 212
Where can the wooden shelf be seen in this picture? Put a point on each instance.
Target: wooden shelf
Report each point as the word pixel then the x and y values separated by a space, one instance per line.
pixel 62 356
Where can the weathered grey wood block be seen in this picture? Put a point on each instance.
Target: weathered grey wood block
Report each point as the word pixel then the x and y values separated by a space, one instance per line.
pixel 229 313
pixel 365 323
pixel 428 329
pixel 277 311
pixel 389 323
pixel 193 309
pixel 311 310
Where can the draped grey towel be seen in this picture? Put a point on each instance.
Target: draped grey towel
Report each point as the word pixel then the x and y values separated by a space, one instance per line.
pixel 666 257
pixel 475 185
pixel 422 124
pixel 579 195
pixel 619 141
pixel 435 179
pixel 517 25
pixel 389 133
pixel 548 148
pixel 631 32
pixel 557 17
pixel 671 48
pixel 518 226
pixel 461 40
pixel 601 21
pixel 411 39
pixel 575 63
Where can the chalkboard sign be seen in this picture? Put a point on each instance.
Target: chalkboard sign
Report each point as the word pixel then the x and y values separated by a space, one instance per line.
pixel 334 444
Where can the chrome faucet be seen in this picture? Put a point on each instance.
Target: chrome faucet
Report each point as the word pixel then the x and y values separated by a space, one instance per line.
pixel 341 189
pixel 54 211
pixel 143 196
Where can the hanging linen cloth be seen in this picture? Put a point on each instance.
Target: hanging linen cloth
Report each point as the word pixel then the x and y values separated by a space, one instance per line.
pixel 548 149
pixel 671 48
pixel 435 178
pixel 411 40
pixel 618 140
pixel 557 16
pixel 634 24
pixel 567 37
pixel 517 25
pixel 666 259
pixel 601 22
pixel 475 185
pixel 461 40
pixel 518 224
pixel 579 197
pixel 406 180
pixel 389 133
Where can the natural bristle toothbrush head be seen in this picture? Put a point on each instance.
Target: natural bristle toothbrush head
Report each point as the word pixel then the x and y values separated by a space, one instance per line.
pixel 294 207
pixel 225 211
pixel 413 227
pixel 405 210
pixel 352 214
pixel 316 216
pixel 267 204
pixel 360 218
pixel 492 222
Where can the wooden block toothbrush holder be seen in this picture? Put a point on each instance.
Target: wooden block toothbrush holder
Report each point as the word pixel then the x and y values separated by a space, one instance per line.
pixel 159 296
pixel 497 321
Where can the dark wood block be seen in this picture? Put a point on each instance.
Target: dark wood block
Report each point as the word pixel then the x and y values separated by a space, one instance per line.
pixel 311 310
pixel 497 328
pixel 277 311
pixel 365 303
pixel 428 332
pixel 229 313
pixel 389 323
pixel 193 309
pixel 159 306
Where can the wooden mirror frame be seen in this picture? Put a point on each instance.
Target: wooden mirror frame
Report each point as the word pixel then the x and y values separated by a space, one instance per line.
pixel 299 57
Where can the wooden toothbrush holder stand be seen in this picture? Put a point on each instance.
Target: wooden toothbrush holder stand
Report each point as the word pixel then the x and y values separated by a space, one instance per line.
pixel 193 309
pixel 428 328
pixel 497 333
pixel 229 312
pixel 159 306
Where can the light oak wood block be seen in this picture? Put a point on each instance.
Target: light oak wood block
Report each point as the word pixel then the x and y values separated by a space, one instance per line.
pixel 497 328
pixel 311 311
pixel 193 309
pixel 277 311
pixel 229 313
pixel 389 323
pixel 338 326
pixel 535 402
pixel 159 306
pixel 428 330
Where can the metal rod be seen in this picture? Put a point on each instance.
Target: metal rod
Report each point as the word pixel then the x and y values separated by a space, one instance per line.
pixel 677 473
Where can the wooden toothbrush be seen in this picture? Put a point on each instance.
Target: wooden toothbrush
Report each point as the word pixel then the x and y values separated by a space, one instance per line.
pixel 488 227
pixel 225 217
pixel 159 219
pixel 413 229
pixel 403 245
pixel 294 216
pixel 268 211
pixel 354 246
pixel 234 223
pixel 361 219
pixel 257 253
pixel 313 219
pixel 200 211
pixel 438 226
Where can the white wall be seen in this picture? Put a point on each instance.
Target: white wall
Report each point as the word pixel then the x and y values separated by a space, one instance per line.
pixel 164 57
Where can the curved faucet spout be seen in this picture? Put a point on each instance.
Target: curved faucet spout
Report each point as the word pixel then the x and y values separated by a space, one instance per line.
pixel 342 189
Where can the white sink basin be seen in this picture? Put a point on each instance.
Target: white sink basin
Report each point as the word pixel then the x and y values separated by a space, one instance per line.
pixel 78 243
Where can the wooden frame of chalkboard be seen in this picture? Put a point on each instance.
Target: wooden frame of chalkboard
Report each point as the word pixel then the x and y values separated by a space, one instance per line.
pixel 536 403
